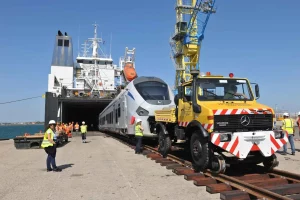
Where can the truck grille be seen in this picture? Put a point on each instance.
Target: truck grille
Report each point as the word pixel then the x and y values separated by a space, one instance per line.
pixel 234 122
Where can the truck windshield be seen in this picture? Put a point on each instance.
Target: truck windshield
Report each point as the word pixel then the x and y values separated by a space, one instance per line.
pixel 223 89
pixel 153 90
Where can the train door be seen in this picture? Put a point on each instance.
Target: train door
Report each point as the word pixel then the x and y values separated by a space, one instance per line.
pixel 114 118
pixel 124 112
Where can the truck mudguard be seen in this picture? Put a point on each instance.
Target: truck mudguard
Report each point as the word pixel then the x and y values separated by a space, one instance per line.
pixel 197 124
pixel 160 126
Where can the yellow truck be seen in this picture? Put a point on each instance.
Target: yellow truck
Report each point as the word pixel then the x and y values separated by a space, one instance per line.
pixel 221 123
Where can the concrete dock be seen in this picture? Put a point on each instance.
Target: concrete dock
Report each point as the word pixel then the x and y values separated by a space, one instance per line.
pixel 103 168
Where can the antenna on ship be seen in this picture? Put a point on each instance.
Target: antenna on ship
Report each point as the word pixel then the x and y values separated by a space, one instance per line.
pixel 78 49
pixel 110 45
pixel 85 49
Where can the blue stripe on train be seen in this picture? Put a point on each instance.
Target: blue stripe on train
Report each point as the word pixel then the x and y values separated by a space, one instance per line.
pixel 129 94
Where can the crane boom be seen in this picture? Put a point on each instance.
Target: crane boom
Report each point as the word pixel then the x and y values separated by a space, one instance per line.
pixel 189 33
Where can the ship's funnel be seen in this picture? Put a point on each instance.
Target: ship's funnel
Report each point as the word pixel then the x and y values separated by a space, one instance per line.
pixel 59 33
pixel 63 51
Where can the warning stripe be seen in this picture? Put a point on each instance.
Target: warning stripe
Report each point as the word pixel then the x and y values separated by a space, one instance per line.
pixel 230 146
pixel 274 142
pixel 242 111
pixel 234 147
pixel 236 142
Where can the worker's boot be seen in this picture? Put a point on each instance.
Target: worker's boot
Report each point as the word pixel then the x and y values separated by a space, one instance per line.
pixel 57 170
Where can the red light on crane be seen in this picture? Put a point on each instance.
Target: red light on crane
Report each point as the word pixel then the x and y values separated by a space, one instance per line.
pixel 231 75
pixel 207 73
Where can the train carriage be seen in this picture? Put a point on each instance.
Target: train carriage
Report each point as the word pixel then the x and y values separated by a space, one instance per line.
pixel 140 98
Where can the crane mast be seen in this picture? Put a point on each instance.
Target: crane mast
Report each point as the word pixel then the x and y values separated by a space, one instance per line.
pixel 191 20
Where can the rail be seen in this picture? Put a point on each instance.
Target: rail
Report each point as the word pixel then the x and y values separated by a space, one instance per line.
pixel 276 184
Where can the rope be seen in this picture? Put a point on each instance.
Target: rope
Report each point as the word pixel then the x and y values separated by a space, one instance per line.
pixel 20 100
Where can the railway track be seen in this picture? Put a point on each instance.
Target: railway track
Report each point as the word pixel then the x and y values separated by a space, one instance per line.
pixel 255 183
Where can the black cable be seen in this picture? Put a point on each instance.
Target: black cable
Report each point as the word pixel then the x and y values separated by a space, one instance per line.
pixel 20 100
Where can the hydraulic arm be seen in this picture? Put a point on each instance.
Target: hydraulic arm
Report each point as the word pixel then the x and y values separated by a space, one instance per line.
pixel 191 19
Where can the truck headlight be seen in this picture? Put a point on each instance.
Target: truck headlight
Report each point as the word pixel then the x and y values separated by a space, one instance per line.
pixel 278 134
pixel 225 137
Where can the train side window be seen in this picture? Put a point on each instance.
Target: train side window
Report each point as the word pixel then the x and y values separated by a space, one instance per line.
pixel 119 111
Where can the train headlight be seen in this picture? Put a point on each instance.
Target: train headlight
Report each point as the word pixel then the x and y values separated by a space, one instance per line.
pixel 225 137
pixel 142 112
pixel 278 134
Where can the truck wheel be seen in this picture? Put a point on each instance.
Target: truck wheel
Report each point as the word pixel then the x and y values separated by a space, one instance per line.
pixel 200 151
pixel 164 143
pixel 270 162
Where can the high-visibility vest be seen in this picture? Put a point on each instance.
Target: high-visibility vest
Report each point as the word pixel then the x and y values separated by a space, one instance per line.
pixel 138 131
pixel 46 142
pixel 288 125
pixel 76 126
pixel 83 128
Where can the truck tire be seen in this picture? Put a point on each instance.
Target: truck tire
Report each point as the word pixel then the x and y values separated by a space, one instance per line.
pixel 270 162
pixel 164 142
pixel 199 148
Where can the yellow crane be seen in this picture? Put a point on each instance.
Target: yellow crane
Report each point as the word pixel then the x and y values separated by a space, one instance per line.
pixel 191 20
pixel 217 117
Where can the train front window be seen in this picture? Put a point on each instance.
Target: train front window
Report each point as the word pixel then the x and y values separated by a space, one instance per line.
pixel 152 90
pixel 210 89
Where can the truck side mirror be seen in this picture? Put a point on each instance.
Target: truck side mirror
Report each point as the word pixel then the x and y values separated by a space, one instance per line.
pixel 180 92
pixel 257 91
pixel 196 108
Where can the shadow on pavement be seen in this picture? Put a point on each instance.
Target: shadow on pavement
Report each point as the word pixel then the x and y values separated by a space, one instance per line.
pixel 65 166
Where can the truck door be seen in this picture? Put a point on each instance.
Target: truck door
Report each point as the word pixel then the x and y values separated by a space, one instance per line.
pixel 185 109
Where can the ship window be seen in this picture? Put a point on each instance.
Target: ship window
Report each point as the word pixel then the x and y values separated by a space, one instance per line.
pixel 60 42
pixel 153 90
pixel 90 62
pixel 66 43
pixel 79 61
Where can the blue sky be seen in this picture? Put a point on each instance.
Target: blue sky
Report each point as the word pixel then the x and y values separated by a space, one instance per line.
pixel 259 40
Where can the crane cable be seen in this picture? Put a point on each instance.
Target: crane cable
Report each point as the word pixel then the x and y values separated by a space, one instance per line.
pixel 22 99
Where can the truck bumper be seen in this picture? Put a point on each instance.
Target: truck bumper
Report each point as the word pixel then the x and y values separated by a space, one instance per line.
pixel 241 143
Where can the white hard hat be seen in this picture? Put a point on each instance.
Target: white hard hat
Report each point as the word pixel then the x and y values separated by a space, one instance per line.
pixel 138 120
pixel 52 122
pixel 286 114
pixel 83 122
pixel 298 113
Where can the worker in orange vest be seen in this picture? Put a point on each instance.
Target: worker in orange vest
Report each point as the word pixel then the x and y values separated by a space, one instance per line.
pixel 76 127
pixel 70 127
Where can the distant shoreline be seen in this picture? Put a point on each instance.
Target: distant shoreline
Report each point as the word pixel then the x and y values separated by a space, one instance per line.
pixel 20 124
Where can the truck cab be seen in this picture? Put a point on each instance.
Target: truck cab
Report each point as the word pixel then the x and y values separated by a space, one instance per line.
pixel 218 116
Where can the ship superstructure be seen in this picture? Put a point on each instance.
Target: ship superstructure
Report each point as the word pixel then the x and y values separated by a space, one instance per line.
pixel 80 90
pixel 95 74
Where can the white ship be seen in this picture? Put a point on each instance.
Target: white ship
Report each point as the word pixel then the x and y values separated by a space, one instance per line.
pixel 79 91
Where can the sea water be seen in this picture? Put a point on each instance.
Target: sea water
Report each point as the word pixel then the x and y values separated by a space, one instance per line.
pixel 10 132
